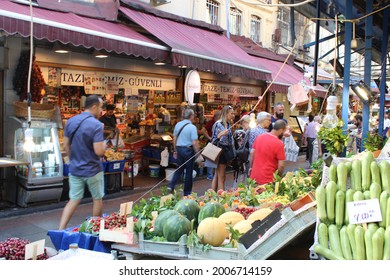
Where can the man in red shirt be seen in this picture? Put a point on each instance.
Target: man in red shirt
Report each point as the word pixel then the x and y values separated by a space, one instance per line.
pixel 267 155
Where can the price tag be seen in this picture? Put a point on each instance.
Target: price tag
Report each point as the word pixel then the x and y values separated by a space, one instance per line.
pixel 116 165
pixel 364 211
pixel 32 250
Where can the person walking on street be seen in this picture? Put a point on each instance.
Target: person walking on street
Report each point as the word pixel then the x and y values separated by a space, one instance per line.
pixel 186 145
pixel 263 122
pixel 223 135
pixel 84 144
pixel 310 135
pixel 267 155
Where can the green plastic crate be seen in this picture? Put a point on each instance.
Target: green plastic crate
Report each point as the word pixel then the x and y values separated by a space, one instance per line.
pixel 165 249
pixel 214 253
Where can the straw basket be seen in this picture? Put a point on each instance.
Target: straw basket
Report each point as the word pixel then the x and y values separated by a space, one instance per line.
pixel 38 111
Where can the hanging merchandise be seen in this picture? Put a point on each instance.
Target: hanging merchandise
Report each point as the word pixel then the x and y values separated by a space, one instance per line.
pixel 331 120
pixel 164 157
pixel 297 95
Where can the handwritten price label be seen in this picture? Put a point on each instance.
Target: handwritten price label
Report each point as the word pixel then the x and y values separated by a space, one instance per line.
pixel 364 211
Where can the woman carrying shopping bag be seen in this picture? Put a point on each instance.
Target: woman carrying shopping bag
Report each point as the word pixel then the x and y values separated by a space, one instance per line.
pixel 223 137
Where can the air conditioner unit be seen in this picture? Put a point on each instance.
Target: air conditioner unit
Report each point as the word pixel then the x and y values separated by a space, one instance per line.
pixel 159 2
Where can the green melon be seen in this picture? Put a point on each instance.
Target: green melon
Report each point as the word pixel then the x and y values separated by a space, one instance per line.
pixel 161 219
pixel 175 226
pixel 189 208
pixel 211 209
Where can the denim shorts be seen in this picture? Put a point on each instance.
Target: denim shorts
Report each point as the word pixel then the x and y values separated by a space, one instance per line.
pixel 95 186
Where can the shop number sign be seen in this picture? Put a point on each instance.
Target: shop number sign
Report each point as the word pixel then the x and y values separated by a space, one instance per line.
pixel 364 211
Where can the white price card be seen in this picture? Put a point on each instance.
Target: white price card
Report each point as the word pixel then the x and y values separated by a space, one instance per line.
pixel 32 250
pixel 364 211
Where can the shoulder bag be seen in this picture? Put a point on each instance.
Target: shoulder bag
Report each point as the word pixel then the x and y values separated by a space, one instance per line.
pixel 212 152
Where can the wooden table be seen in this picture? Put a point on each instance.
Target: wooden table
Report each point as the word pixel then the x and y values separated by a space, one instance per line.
pixel 6 162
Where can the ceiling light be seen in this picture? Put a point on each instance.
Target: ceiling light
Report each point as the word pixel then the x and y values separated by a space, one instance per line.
pixel 353 41
pixel 99 54
pixel 362 91
pixel 159 62
pixel 59 48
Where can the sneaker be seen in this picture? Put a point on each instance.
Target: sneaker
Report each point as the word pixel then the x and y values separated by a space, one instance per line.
pixel 170 190
pixel 210 178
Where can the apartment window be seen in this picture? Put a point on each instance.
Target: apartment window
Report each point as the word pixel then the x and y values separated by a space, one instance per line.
pixel 235 21
pixel 284 25
pixel 212 8
pixel 255 28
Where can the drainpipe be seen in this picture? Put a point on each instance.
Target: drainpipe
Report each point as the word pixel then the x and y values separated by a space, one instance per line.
pixel 292 25
pixel 227 18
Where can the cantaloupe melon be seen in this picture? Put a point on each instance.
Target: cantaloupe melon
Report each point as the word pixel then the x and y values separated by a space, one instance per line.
pixel 231 217
pixel 211 231
pixel 243 226
pixel 259 214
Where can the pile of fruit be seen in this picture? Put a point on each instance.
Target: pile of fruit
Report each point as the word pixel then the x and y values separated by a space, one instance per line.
pixel 14 249
pixel 338 237
pixel 112 221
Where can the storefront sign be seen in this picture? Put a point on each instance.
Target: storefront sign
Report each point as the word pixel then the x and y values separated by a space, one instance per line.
pixel 72 77
pixel 230 89
pixel 191 86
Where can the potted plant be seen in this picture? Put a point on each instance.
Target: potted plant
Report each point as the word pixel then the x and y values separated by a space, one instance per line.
pixel 334 139
pixel 373 143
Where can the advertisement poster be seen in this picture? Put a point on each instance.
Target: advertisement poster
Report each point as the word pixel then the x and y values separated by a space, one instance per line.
pixel 94 83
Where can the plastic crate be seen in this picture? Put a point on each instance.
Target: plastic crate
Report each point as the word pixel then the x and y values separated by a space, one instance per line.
pixel 214 253
pixel 115 166
pixel 169 249
pixel 104 164
pixel 278 236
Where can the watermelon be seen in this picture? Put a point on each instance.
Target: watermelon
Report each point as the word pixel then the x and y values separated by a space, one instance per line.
pixel 161 220
pixel 189 208
pixel 175 226
pixel 211 209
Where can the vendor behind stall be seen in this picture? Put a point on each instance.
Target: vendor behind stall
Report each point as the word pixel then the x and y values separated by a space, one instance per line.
pixel 109 118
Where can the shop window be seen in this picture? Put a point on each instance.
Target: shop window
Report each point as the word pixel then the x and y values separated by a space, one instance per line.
pixel 235 21
pixel 255 28
pixel 212 12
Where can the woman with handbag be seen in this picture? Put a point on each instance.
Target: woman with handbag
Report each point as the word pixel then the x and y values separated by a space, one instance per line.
pixel 223 137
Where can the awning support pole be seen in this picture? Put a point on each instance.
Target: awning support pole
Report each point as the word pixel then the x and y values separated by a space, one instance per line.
pixel 347 66
pixel 367 70
pixel 382 87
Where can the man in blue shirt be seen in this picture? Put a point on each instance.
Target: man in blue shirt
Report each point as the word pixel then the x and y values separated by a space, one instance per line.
pixel 84 144
pixel 185 145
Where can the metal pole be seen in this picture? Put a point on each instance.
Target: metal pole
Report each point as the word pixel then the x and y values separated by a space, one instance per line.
pixel 316 50
pixel 382 87
pixel 367 70
pixel 347 65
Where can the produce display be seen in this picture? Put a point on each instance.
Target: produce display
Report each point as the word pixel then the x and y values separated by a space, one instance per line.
pixel 338 238
pixel 14 249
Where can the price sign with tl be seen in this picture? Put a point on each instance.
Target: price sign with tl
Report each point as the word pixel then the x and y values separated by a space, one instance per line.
pixel 364 211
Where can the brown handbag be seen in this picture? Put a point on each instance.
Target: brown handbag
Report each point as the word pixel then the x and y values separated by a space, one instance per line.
pixel 212 152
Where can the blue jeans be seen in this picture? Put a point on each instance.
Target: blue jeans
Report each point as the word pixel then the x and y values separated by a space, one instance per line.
pixel 184 154
pixel 210 172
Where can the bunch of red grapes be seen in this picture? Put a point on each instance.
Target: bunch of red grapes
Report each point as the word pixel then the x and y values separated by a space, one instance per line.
pixel 14 249
pixel 245 211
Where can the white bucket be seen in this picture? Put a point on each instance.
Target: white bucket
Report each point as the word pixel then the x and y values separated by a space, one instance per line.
pixel 169 174
pixel 154 170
